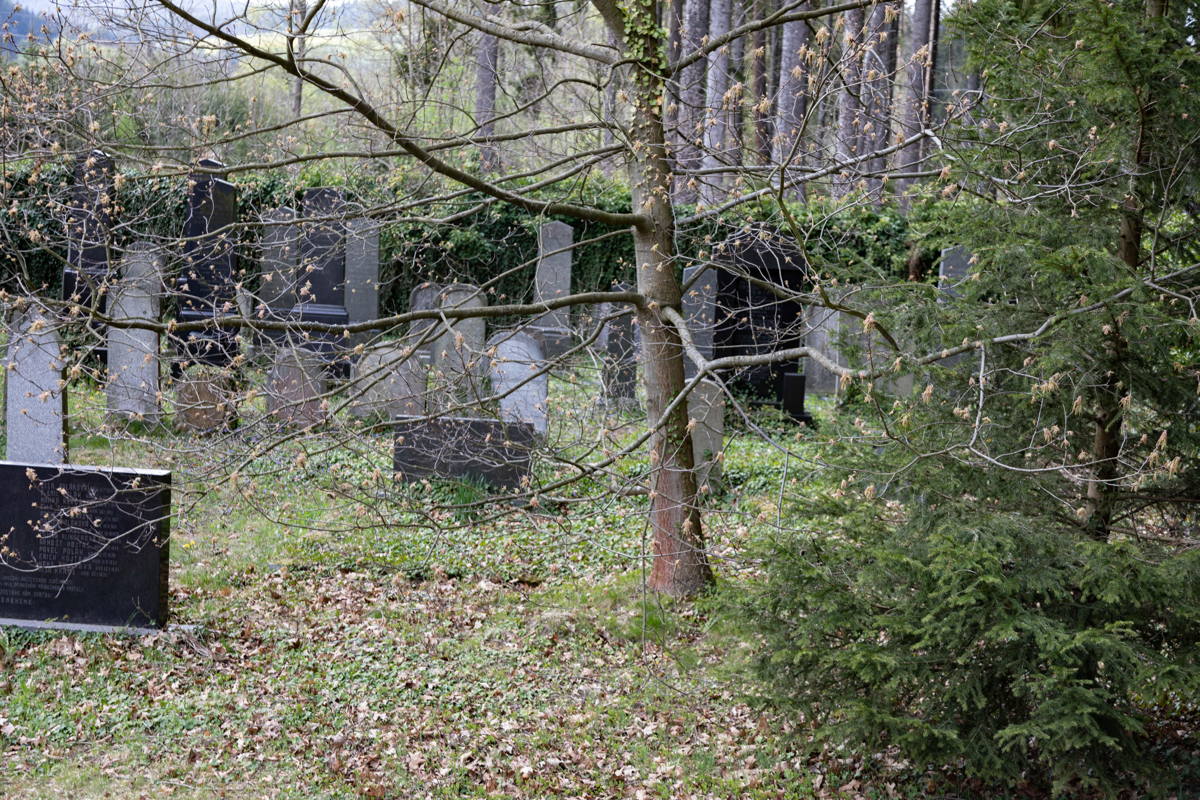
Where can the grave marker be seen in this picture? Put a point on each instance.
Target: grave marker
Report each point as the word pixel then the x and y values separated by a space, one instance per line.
pixel 516 362
pixel 458 355
pixel 706 413
pixel 552 280
pixel 132 386
pixel 35 396
pixel 462 448
pixel 295 387
pixel 206 286
pixel 83 548
pixel 390 380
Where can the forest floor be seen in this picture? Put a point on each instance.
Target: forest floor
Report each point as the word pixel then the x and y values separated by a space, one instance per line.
pixel 517 658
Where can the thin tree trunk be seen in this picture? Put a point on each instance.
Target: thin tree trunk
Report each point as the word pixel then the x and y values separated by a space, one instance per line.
pixel 680 566
pixel 716 121
pixel 486 58
pixel 922 58
pixel 792 103
pixel 298 9
pixel 880 67
pixel 850 106
pixel 735 116
pixel 691 106
pixel 672 115
pixel 759 90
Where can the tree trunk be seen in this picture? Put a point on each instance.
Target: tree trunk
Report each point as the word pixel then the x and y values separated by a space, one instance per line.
pixel 296 13
pixel 735 106
pixel 691 105
pixel 879 65
pixel 672 116
pixel 759 90
pixel 850 106
pixel 486 58
pixel 922 58
pixel 716 121
pixel 680 566
pixel 792 104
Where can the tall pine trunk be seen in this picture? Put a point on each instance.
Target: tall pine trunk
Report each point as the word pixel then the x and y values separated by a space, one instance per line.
pixel 691 103
pixel 792 103
pixel 922 57
pixel 716 120
pixel 850 106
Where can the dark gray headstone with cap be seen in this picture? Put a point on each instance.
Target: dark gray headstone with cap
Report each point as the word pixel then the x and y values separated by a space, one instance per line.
pixel 89 218
pixel 321 279
pixel 280 260
pixel 206 286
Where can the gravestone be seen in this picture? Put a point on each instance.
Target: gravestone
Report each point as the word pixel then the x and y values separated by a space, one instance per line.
pixel 132 384
pixel 423 298
pixel 458 357
pixel 706 414
pixel 86 274
pixel 824 331
pixel 206 286
pixel 489 451
pixel 205 402
pixel 83 548
pixel 35 396
pixel 89 219
pixel 295 387
pixel 280 261
pixel 390 380
pixel 552 280
pixel 700 311
pixel 620 364
pixel 321 279
pixel 792 392
pixel 516 361
pixel 362 274
pixel 953 268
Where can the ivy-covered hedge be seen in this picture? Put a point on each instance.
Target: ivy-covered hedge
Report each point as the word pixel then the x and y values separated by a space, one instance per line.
pixel 496 244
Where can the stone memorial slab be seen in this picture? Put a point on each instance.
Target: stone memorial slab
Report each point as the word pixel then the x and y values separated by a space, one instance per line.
pixel 362 274
pixel 295 387
pixel 321 279
pixel 552 280
pixel 459 359
pixel 824 332
pixel 205 402
pixel 390 380
pixel 793 393
pixel 423 298
pixel 280 261
pixel 953 269
pixel 489 451
pixel 35 397
pixel 517 361
pixel 83 547
pixel 706 413
pixel 206 286
pixel 700 311
pixel 89 219
pixel 620 361
pixel 132 384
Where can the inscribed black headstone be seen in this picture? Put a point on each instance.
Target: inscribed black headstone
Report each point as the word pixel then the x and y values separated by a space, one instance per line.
pixel 462 448
pixel 83 545
pixel 206 283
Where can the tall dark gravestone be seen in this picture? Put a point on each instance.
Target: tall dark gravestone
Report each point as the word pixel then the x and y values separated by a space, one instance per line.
pixel 206 284
pixel 89 220
pixel 751 319
pixel 83 546
pixel 321 277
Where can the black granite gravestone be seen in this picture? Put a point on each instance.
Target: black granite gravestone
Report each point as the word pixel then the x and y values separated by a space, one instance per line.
pixel 321 280
pixel 462 448
pixel 88 221
pixel 83 546
pixel 89 218
pixel 751 319
pixel 791 393
pixel 206 284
